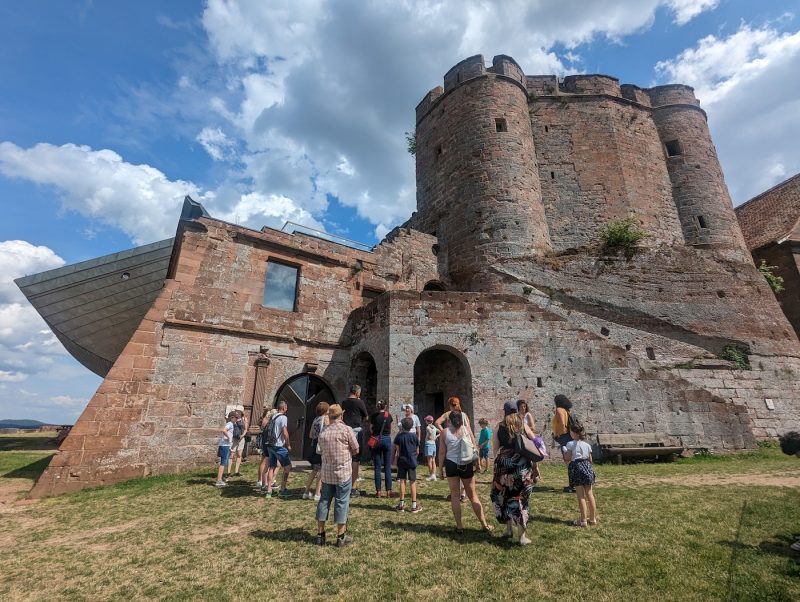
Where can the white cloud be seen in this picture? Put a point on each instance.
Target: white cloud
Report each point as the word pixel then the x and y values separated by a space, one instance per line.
pixel 748 83
pixel 686 10
pixel 216 143
pixel 12 377
pixel 20 258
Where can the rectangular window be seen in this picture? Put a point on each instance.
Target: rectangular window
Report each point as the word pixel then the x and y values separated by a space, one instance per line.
pixel 701 221
pixel 500 125
pixel 280 288
pixel 673 148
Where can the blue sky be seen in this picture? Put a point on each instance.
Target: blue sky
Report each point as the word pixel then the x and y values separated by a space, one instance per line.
pixel 267 111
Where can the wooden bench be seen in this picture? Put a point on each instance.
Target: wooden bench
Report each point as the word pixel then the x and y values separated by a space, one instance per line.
pixel 637 445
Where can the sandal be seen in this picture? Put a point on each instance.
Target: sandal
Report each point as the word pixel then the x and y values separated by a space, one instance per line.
pixel 592 522
pixel 579 523
pixel 487 528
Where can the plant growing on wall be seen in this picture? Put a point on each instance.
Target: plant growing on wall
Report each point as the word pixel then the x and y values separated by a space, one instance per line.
pixel 775 282
pixel 411 142
pixel 736 354
pixel 621 234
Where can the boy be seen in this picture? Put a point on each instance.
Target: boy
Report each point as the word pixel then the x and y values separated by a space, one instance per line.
pixel 484 445
pixel 406 448
pixel 431 433
pixel 224 449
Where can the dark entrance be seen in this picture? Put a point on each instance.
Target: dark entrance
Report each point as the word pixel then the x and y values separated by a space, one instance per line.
pixel 364 372
pixel 438 374
pixel 302 393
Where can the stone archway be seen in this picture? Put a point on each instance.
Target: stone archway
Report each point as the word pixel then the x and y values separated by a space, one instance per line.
pixel 302 393
pixel 439 373
pixel 364 372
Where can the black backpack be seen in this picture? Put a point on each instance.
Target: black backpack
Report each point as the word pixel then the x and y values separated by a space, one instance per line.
pixel 573 424
pixel 238 429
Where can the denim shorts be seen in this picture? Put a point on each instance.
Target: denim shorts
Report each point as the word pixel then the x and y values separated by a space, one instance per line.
pixel 484 452
pixel 430 449
pixel 224 453
pixel 340 495
pixel 278 454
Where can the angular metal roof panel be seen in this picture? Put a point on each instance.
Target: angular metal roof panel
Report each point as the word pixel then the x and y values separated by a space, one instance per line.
pixel 94 306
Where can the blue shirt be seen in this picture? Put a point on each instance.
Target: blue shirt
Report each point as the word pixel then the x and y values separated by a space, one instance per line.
pixel 406 443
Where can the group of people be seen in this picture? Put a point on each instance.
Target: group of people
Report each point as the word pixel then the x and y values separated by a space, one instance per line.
pixel 449 446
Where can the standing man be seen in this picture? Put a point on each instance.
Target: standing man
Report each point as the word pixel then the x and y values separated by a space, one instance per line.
pixel 279 446
pixel 354 415
pixel 237 447
pixel 338 446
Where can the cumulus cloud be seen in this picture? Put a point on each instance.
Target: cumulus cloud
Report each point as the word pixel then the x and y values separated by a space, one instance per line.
pixel 20 258
pixel 325 90
pixel 748 83
pixel 216 143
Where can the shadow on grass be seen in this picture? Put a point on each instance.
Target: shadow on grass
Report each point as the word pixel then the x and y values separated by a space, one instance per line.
pixel 233 490
pixel 538 518
pixel 290 534
pixel 449 533
pixel 27 443
pixel 29 471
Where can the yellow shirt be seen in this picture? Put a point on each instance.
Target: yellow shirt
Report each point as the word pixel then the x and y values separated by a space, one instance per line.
pixel 559 430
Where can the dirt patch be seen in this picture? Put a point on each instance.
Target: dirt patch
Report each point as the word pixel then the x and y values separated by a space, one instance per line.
pixel 770 479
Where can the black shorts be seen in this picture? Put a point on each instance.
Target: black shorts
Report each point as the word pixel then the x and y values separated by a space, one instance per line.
pixel 404 472
pixel 462 471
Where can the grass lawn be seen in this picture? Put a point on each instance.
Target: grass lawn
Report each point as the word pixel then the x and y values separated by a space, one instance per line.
pixel 697 529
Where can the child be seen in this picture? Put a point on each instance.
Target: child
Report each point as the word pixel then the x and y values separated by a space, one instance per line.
pixel 224 448
pixel 266 416
pixel 581 476
pixel 431 433
pixel 484 445
pixel 406 448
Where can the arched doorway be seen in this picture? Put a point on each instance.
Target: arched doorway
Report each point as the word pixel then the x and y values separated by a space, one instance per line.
pixel 302 393
pixel 364 372
pixel 433 285
pixel 440 373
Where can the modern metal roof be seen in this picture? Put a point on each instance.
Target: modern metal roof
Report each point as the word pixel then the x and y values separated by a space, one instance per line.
pixel 94 306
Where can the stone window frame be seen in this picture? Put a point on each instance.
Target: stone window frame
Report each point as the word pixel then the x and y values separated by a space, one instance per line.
pixel 283 262
pixel 500 124
pixel 673 148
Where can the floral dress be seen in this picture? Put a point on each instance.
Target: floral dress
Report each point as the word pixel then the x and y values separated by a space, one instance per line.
pixel 512 483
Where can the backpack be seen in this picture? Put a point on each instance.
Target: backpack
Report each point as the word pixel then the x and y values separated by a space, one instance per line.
pixel 573 424
pixel 238 429
pixel 272 436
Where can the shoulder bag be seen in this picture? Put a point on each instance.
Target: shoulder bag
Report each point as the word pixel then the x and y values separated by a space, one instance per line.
pixel 373 440
pixel 526 448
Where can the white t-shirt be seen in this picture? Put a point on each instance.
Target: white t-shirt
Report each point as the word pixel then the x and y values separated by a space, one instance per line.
pixel 225 441
pixel 453 443
pixel 580 450
pixel 278 424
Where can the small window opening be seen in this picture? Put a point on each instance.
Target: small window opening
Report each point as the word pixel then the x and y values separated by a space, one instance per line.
pixel 501 125
pixel 546 129
pixel 673 148
pixel 552 175
pixel 721 294
pixel 435 249
pixel 651 354
pixel 605 331
pixel 433 286
pixel 702 221
pixel 627 346
pixel 539 382
pixel 370 293
pixel 438 151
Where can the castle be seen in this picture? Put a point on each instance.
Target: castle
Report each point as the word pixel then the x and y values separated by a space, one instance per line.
pixel 496 288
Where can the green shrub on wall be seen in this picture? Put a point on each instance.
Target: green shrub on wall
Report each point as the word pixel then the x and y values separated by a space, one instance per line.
pixel 775 282
pixel 621 233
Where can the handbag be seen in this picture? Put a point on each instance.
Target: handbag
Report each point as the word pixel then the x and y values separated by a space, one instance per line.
pixel 467 453
pixel 373 440
pixel 527 449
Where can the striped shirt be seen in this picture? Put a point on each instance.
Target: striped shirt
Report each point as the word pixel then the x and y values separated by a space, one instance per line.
pixel 337 444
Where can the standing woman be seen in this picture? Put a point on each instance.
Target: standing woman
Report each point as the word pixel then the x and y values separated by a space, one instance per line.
pixel 513 477
pixel 529 422
pixel 561 427
pixel 381 444
pixel 315 459
pixel 459 472
pixel 443 421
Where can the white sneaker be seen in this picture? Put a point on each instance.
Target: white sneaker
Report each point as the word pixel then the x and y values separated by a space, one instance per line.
pixel 221 484
pixel 316 498
pixel 258 484
pixel 305 495
pixel 433 478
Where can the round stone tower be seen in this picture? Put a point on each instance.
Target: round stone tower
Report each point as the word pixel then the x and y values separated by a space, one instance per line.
pixel 698 187
pixel 477 178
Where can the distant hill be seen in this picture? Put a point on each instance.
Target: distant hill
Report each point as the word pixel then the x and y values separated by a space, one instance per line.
pixel 20 424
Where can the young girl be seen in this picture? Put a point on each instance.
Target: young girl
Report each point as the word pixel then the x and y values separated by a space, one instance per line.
pixel 581 476
pixel 431 433
pixel 319 424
